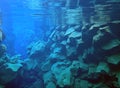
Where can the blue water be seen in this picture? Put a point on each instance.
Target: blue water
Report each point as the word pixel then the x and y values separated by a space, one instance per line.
pixel 23 22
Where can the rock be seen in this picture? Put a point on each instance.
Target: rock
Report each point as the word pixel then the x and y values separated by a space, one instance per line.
pixel 63 42
pixel 58 36
pixel 79 41
pixel 113 43
pixel 94 26
pixel 102 66
pixel 57 50
pixel 16 59
pixel 114 59
pixel 98 77
pixel 116 21
pixel 36 49
pixel 31 64
pixel 46 66
pixel 64 78
pixel 48 77
pixel 58 67
pixel 2 86
pixel 106 28
pixel 102 38
pixel 81 83
pixel 71 50
pixel 77 83
pixel 51 85
pixel 93 78
pixel 89 56
pixel 75 34
pixel 100 85
pixel 69 31
pixel 4 59
pixel 64 27
pixel 37 84
pixel 15 63
pixel 55 56
pixel 97 36
pixel 7 75
pixel 2 49
pixel 114 27
pixel 62 73
pixel 110 52
pixel 77 28
pixel 14 67
pixel 91 69
pixel 72 29
pixel 75 67
pixel 78 68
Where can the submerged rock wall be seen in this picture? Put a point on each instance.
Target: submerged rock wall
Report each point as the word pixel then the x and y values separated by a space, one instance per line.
pixel 82 52
pixel 89 54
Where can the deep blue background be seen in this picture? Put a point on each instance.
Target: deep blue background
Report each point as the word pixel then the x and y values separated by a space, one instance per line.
pixel 23 21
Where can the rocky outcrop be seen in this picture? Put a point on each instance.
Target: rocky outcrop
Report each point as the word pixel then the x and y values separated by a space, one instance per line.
pixel 2 50
pixel 84 51
pixel 10 66
pixel 81 52
pixel 35 49
pixel 87 54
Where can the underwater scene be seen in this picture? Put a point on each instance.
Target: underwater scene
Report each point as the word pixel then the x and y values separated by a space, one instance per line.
pixel 59 43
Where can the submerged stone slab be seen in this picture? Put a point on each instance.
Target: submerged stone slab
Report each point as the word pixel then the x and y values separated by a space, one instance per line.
pixel 70 30
pixel 75 34
pixel 114 59
pixel 14 67
pixel 102 66
pixel 51 85
pixel 113 43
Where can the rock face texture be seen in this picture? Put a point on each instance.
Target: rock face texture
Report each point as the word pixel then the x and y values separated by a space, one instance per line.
pixel 82 52
pixel 91 41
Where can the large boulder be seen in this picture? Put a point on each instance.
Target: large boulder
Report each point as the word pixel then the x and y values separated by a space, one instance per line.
pixel 7 75
pixel 10 68
pixel 62 73
pixel 36 49
pixel 2 49
pixel 111 44
pixel 114 59
pixel 102 66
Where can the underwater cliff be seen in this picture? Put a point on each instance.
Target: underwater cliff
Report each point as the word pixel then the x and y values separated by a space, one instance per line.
pixel 79 47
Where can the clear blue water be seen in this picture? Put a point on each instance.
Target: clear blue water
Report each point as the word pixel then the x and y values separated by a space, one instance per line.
pixel 23 22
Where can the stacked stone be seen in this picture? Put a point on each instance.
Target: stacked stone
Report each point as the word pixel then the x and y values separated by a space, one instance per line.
pixel 92 47
pixel 83 55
